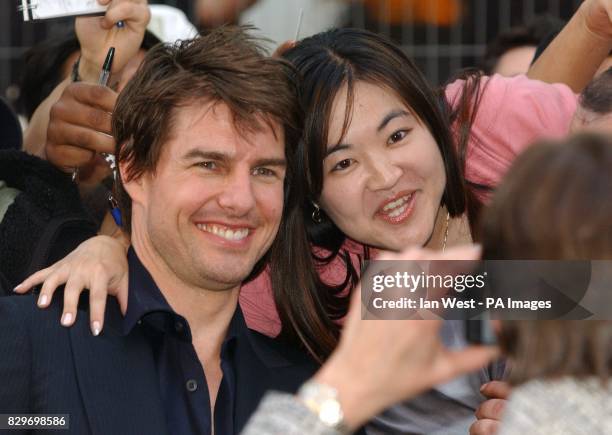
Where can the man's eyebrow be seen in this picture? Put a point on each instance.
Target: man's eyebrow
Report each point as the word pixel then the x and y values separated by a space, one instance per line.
pixel 271 162
pixel 197 153
pixel 390 116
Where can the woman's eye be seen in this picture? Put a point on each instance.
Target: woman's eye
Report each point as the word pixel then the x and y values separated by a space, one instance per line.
pixel 343 164
pixel 397 136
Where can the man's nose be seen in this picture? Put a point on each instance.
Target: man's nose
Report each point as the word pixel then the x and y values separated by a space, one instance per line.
pixel 237 193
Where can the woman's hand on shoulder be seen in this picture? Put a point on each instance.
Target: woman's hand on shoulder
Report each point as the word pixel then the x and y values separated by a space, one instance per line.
pixel 98 264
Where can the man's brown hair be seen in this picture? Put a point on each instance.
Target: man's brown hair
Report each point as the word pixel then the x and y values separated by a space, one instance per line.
pixel 555 205
pixel 228 66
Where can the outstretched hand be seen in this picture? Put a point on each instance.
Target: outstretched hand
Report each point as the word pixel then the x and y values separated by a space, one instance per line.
pixel 395 359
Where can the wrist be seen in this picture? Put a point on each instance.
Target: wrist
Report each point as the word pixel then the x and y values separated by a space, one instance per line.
pixel 88 70
pixel 322 400
pixel 357 404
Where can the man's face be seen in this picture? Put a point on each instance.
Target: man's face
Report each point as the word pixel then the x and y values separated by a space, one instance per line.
pixel 212 207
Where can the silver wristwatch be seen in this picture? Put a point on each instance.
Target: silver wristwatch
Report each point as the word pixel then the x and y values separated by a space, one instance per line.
pixel 322 400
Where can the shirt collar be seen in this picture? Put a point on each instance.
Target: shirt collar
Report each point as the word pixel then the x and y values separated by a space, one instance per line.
pixel 147 304
pixel 144 297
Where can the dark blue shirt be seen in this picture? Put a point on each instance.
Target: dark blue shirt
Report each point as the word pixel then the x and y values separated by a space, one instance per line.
pixel 182 382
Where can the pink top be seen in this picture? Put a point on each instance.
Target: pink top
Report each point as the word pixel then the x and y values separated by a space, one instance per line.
pixel 514 112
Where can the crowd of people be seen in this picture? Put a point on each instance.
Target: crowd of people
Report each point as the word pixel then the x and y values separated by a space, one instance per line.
pixel 207 280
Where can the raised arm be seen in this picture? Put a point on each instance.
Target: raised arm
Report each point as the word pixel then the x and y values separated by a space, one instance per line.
pixel 96 35
pixel 575 54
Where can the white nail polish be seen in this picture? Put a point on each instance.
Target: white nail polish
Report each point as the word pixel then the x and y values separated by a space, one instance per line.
pixel 95 327
pixel 42 300
pixel 66 319
pixel 17 288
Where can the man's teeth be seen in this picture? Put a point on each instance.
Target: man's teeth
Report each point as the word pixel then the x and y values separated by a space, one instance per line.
pixel 397 205
pixel 224 232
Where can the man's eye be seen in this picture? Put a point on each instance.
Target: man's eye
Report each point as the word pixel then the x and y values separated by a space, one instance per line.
pixel 343 164
pixel 208 165
pixel 397 136
pixel 266 172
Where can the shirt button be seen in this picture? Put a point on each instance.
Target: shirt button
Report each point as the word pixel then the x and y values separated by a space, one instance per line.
pixel 178 326
pixel 191 385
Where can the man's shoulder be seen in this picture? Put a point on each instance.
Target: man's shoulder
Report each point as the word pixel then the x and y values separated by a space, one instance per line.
pixel 17 309
pixel 22 312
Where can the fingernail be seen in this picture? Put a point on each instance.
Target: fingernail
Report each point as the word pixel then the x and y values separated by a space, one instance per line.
pixel 66 319
pixel 42 300
pixel 482 387
pixel 18 287
pixel 96 328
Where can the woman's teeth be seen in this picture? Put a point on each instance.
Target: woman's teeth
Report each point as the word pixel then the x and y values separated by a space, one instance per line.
pixel 397 207
pixel 398 211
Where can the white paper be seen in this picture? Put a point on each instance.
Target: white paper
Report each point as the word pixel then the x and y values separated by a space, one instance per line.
pixel 43 9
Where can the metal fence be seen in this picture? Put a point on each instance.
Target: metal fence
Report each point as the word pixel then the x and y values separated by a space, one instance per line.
pixel 438 50
pixel 442 50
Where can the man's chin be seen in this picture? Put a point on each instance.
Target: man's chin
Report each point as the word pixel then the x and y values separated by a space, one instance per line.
pixel 222 279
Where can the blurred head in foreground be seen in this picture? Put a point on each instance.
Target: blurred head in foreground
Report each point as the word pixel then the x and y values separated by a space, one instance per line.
pixel 556 204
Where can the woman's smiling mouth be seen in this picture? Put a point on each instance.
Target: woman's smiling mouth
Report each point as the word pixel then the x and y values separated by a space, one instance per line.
pixel 397 209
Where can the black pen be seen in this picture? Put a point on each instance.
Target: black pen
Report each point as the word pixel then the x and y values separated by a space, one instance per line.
pixel 110 158
pixel 106 68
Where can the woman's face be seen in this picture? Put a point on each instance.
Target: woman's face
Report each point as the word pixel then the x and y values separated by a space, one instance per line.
pixel 384 182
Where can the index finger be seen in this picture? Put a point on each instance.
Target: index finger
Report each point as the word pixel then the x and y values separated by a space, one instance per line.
pixel 94 95
pixel 34 280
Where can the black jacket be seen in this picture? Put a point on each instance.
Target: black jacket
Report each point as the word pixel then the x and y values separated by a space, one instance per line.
pixel 109 384
pixel 45 222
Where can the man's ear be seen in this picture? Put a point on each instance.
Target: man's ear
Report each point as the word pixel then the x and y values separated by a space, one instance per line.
pixel 135 187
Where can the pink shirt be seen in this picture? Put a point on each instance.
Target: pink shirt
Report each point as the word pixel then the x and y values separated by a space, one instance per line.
pixel 513 113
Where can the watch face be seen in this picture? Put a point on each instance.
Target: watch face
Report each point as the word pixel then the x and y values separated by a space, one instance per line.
pixel 323 401
pixel 330 412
